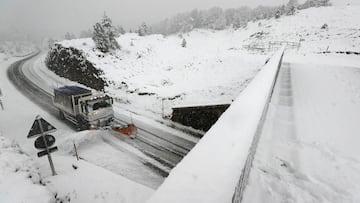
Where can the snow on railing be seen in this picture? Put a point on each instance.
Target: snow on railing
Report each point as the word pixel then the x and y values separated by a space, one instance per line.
pixel 244 177
pixel 211 171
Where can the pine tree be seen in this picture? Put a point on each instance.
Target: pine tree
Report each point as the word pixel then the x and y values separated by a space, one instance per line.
pixel 277 14
pixel 143 30
pixel 183 43
pixel 120 30
pixel 291 7
pixel 104 35
pixel 69 36
pixel 51 43
pixel 86 33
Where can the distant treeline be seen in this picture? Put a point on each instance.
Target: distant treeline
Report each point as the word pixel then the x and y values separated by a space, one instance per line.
pixel 216 18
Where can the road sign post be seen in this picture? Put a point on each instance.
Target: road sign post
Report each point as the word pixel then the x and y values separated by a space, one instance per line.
pixel 47 148
pixel 76 153
pixel 1 104
pixel 39 129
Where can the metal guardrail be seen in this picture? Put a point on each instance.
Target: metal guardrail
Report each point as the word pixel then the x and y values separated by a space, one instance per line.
pixel 244 177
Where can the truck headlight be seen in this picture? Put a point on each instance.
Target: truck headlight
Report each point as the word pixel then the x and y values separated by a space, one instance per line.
pixel 92 126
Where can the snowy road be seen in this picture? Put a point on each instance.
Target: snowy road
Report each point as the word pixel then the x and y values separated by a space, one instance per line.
pixel 20 112
pixel 308 151
pixel 166 145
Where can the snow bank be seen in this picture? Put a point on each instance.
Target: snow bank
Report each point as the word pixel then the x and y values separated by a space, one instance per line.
pixel 20 180
pixel 106 150
pixel 81 181
pixel 210 172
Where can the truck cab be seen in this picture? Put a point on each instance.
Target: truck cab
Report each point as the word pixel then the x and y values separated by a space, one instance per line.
pixel 83 108
pixel 96 109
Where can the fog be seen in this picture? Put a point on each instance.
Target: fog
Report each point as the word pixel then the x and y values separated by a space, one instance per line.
pixel 41 18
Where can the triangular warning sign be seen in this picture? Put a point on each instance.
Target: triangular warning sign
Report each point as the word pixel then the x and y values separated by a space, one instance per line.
pixel 35 128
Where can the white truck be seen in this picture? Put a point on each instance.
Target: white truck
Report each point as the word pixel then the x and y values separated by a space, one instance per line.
pixel 86 110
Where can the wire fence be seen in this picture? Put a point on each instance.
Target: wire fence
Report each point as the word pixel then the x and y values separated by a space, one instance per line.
pixel 271 46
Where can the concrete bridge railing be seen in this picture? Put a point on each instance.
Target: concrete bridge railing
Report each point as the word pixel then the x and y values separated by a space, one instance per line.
pixel 220 163
pixel 244 177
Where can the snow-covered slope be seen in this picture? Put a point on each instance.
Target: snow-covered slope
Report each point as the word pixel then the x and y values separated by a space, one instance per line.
pixel 16 48
pixel 345 2
pixel 20 180
pixel 211 69
pixel 215 66
pixel 342 33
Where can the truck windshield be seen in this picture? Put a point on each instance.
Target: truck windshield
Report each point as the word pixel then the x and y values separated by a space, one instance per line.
pixel 99 104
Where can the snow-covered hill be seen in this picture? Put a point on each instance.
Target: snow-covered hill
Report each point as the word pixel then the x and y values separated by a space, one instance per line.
pixel 211 69
pixel 341 32
pixel 18 48
pixel 214 67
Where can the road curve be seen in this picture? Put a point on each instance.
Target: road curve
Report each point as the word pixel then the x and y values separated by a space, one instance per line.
pixel 168 150
pixel 28 88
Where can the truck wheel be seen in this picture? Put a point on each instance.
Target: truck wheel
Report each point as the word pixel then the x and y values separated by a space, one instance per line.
pixel 61 115
pixel 82 125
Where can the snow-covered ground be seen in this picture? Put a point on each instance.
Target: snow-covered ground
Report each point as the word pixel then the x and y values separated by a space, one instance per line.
pixel 20 179
pixel 342 33
pixel 208 70
pixel 88 183
pixel 214 67
pixel 308 151
pixel 209 173
pixel 306 154
pixel 309 148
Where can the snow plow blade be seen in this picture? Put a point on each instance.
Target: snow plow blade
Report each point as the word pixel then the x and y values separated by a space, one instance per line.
pixel 130 130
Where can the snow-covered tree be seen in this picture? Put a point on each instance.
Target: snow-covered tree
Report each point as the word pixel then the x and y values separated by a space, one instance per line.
pixel 51 42
pixel 291 7
pixel 183 43
pixel 86 33
pixel 216 18
pixel 120 30
pixel 323 3
pixel 277 14
pixel 69 36
pixel 104 35
pixel 314 3
pixel 143 30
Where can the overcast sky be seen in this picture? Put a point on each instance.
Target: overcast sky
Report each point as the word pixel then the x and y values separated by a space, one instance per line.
pixel 56 17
